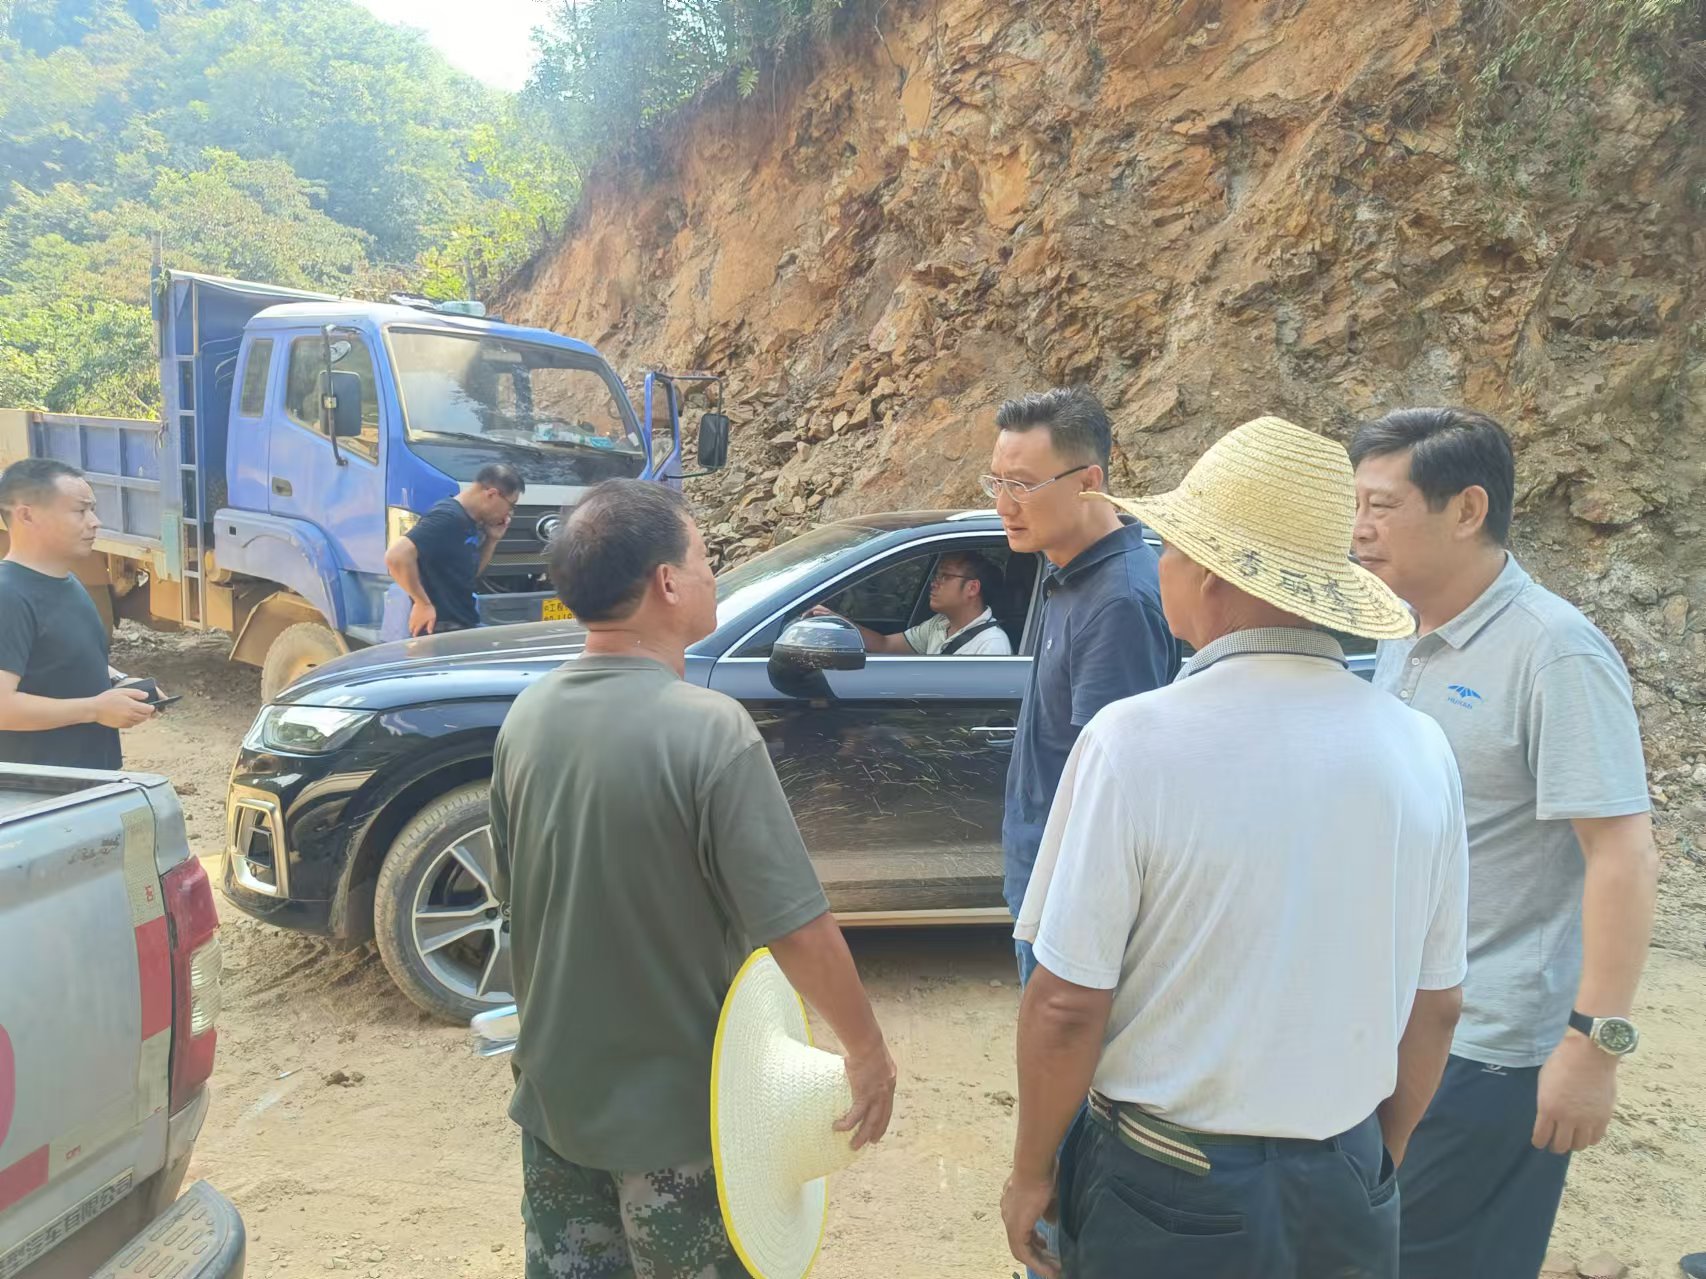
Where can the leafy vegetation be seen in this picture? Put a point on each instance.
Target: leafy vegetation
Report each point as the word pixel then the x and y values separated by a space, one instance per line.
pixel 611 69
pixel 299 142
pixel 1547 66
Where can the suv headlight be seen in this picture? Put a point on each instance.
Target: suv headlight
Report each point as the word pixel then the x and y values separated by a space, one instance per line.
pixel 306 730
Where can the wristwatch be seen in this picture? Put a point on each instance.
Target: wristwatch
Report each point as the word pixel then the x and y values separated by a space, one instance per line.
pixel 1616 1035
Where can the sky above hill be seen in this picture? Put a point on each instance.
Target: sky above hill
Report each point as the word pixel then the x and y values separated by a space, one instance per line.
pixel 489 39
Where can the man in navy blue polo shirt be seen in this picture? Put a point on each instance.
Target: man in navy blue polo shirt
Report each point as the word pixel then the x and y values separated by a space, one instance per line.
pixel 1103 633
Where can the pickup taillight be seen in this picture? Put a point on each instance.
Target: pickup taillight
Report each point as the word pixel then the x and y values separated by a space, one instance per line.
pixel 194 930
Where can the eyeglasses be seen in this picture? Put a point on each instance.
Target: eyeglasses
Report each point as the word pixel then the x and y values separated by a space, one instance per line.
pixel 1018 490
pixel 951 577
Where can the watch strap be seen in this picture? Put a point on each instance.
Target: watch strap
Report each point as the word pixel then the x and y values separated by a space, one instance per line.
pixel 1581 1022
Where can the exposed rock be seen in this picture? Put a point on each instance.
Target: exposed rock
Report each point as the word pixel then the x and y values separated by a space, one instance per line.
pixel 1206 213
pixel 1676 615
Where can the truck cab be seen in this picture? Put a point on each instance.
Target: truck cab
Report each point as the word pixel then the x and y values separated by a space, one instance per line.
pixel 424 400
pixel 303 433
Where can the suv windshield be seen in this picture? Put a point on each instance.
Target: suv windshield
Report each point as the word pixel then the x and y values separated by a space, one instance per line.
pixel 469 400
pixel 756 580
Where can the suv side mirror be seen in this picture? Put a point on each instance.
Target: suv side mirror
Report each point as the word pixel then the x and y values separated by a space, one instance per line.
pixel 808 648
pixel 346 416
pixel 713 441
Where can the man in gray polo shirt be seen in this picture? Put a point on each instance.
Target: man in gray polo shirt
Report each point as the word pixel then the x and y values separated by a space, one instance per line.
pixel 1562 869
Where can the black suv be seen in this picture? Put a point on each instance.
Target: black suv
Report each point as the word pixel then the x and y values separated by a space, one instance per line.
pixel 358 803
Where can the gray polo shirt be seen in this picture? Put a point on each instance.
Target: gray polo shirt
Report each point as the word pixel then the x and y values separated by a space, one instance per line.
pixel 1536 705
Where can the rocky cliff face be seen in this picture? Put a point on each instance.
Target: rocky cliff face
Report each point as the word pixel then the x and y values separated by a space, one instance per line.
pixel 1207 211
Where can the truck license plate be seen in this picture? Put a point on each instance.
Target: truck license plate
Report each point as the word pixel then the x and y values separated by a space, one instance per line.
pixel 67 1223
pixel 555 611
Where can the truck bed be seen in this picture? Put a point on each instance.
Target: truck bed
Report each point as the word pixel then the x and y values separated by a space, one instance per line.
pixel 82 855
pixel 120 456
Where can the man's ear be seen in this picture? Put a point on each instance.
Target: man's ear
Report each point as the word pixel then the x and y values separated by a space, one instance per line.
pixel 664 579
pixel 1209 586
pixel 1469 512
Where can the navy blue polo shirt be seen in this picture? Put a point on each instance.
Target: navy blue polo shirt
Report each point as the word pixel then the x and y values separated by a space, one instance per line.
pixel 1103 638
pixel 449 541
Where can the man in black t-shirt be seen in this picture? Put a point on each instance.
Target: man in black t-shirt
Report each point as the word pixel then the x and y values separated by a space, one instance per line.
pixel 437 560
pixel 57 703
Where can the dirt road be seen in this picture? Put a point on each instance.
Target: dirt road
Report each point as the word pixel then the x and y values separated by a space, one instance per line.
pixel 355 1135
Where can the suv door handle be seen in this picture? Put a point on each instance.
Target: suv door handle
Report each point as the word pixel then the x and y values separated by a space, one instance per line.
pixel 992 729
pixel 282 488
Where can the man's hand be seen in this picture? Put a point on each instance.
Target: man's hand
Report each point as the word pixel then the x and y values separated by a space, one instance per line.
pixel 497 528
pixel 1578 1088
pixel 121 707
pixel 1023 1203
pixel 819 610
pixel 872 1079
pixel 422 618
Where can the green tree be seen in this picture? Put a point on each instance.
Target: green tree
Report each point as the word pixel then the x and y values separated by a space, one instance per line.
pixel 610 69
pixel 299 142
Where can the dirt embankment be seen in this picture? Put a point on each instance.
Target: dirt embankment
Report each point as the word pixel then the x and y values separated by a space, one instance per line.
pixel 1206 210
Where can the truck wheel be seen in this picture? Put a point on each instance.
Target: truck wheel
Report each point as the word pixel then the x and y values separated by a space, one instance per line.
pixel 440 927
pixel 298 649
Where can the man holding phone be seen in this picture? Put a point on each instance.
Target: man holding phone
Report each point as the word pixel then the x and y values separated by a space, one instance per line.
pixel 438 561
pixel 58 705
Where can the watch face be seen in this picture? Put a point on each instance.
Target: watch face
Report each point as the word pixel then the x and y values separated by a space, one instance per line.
pixel 1616 1035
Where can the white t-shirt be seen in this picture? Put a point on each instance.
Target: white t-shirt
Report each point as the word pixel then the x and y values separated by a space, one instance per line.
pixel 1263 861
pixel 929 636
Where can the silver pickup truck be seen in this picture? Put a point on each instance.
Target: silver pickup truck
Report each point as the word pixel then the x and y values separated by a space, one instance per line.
pixel 109 994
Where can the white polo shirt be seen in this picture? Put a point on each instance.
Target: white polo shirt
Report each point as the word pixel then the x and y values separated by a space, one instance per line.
pixel 931 635
pixel 1264 861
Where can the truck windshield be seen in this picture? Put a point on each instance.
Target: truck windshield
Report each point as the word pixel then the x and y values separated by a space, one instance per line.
pixel 469 400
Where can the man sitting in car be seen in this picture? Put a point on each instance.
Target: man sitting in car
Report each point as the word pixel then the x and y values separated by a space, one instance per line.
pixel 960 621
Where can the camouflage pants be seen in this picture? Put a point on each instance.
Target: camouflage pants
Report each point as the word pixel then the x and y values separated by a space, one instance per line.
pixel 585 1223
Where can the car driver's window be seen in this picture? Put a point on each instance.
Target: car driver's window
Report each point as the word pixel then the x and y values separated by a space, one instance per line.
pixel 900 596
pixel 885 600
pixel 897 596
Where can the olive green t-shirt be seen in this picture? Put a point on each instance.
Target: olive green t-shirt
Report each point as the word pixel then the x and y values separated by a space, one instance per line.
pixel 645 849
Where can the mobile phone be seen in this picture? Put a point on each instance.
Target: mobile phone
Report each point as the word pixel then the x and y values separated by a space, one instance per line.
pixel 145 685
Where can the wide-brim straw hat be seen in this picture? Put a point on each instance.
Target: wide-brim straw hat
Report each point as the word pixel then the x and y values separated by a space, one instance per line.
pixel 774 1103
pixel 1269 508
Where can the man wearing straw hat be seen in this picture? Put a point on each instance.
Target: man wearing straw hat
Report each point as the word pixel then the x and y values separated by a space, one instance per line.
pixel 1538 708
pixel 1248 911
pixel 644 848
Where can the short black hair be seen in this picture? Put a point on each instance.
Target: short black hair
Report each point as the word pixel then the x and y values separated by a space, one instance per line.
pixel 989 578
pixel 1077 423
pixel 610 545
pixel 29 480
pixel 1450 450
pixel 501 476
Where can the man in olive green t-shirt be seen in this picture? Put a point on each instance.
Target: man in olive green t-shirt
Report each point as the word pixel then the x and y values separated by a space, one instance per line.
pixel 645 849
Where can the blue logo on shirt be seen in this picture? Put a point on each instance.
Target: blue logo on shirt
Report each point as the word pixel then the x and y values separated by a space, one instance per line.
pixel 1466 696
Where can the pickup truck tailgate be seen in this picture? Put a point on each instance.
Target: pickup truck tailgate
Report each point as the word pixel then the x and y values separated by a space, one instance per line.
pixel 85 997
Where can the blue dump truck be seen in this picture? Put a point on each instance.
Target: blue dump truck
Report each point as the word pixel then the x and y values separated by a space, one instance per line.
pixel 302 433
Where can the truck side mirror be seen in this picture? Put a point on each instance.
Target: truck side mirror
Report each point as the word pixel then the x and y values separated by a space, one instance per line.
pixel 713 441
pixel 346 413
